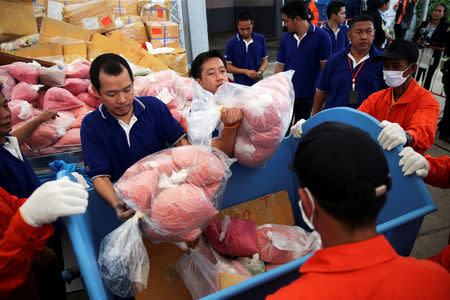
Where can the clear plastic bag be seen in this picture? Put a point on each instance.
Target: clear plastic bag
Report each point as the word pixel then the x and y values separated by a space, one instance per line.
pixel 20 110
pixel 204 271
pixel 203 118
pixel 198 273
pixel 267 107
pixel 280 244
pixel 43 138
pixel 178 190
pixel 123 260
pixel 254 264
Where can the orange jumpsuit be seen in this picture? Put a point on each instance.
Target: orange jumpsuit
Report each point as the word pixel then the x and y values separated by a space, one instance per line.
pixel 313 8
pixel 416 112
pixel 20 244
pixel 439 176
pixel 370 269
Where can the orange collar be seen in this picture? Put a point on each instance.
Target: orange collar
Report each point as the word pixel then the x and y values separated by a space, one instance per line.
pixel 350 257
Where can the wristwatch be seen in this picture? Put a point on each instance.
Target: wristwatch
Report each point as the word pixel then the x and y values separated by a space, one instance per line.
pixel 408 139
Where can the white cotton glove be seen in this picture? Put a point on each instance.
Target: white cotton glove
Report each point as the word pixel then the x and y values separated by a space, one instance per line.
pixel 412 162
pixel 80 179
pixel 54 199
pixel 297 129
pixel 391 136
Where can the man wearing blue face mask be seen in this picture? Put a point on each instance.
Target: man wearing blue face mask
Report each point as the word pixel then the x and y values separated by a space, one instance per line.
pixel 356 262
pixel 408 113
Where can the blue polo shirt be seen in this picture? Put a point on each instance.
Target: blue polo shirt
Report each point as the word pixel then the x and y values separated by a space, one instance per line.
pixel 340 41
pixel 246 57
pixel 104 141
pixel 16 176
pixel 336 78
pixel 304 57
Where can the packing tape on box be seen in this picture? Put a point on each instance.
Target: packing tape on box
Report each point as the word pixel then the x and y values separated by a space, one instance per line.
pixel 164 38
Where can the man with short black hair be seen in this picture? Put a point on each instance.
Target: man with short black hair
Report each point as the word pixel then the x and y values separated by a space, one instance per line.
pixel 408 113
pixel 351 75
pixel 125 129
pixel 246 52
pixel 305 49
pixel 355 262
pixel 336 27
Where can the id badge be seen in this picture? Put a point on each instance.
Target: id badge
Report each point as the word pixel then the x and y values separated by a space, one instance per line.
pixel 353 97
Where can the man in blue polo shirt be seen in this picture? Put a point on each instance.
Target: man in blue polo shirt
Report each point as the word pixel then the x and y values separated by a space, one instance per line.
pixel 305 49
pixel 336 85
pixel 16 176
pixel 246 53
pixel 336 27
pixel 125 129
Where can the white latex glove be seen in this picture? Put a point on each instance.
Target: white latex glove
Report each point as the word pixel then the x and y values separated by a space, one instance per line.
pixel 297 129
pixel 412 162
pixel 54 199
pixel 391 136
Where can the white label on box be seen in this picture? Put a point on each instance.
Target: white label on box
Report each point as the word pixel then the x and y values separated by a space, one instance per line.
pixel 168 41
pixel 158 2
pixel 54 10
pixel 3 79
pixel 117 10
pixel 90 23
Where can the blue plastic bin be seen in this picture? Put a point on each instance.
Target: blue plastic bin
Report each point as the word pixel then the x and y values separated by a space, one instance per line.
pixel 400 219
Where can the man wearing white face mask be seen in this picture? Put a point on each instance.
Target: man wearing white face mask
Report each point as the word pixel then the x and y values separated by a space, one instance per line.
pixel 408 113
pixel 342 194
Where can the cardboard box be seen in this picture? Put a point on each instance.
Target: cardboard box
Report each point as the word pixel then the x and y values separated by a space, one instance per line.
pixel 50 52
pixel 136 31
pixel 164 34
pixel 74 51
pixel 128 47
pixel 130 19
pixel 16 19
pixel 155 10
pixel 102 44
pixel 150 61
pixel 177 61
pixel 54 7
pixel 95 16
pixel 165 283
pixel 7 58
pixel 54 31
pixel 122 8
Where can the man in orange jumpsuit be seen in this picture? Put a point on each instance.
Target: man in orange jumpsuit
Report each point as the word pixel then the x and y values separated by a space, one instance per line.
pixel 355 262
pixel 25 228
pixel 436 172
pixel 408 113
pixel 315 12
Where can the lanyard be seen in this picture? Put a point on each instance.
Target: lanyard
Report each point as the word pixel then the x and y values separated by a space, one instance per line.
pixel 351 70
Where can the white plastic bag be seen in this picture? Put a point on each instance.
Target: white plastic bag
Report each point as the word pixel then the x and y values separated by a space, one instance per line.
pixel 123 260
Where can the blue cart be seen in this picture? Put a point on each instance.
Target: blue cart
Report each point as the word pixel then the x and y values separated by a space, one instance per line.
pixel 400 219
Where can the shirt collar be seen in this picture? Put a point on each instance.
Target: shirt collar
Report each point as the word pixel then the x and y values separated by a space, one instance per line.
pixel 371 54
pixel 413 89
pixel 137 105
pixel 350 257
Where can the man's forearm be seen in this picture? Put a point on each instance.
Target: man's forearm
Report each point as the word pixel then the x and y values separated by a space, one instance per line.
pixel 226 141
pixel 319 100
pixel 279 68
pixel 104 187
pixel 24 132
pixel 264 64
pixel 235 70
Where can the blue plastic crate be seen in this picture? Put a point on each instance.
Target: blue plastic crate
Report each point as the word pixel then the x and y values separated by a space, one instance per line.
pixel 400 219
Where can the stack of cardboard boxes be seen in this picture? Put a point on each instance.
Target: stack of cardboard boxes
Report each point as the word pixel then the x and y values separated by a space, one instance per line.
pixel 69 29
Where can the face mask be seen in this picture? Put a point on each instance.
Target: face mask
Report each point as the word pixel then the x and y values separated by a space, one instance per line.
pixel 395 78
pixel 305 218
